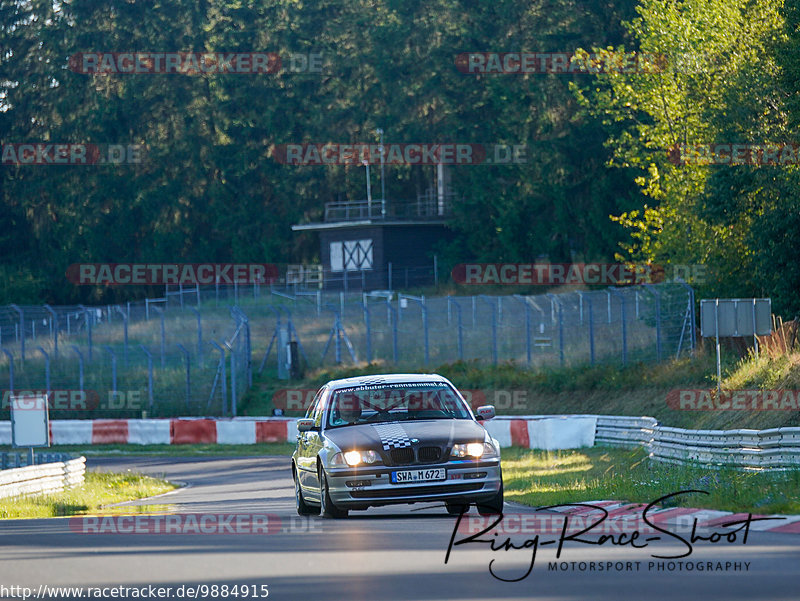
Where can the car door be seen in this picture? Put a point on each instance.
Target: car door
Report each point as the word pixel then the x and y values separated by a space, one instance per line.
pixel 314 440
pixel 307 447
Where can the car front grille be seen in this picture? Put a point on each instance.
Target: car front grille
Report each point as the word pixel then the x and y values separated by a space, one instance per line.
pixel 429 454
pixel 410 456
pixel 404 456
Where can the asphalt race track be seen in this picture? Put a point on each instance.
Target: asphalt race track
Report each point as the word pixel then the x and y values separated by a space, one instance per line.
pixel 380 554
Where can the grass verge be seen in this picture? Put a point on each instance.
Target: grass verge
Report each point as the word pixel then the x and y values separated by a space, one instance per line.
pixel 540 478
pixel 97 492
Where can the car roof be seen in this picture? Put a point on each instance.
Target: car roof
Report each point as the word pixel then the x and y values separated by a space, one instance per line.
pixel 387 379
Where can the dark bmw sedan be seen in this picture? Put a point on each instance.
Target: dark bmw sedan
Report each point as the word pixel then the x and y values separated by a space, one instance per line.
pixel 403 438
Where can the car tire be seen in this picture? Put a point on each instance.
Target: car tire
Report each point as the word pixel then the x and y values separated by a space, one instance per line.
pixel 303 508
pixel 456 507
pixel 493 506
pixel 327 509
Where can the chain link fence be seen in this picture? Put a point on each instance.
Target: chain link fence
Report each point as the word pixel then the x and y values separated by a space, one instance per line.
pixel 194 351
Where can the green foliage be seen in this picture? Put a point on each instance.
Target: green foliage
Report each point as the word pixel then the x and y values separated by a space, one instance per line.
pixel 209 188
pixel 727 77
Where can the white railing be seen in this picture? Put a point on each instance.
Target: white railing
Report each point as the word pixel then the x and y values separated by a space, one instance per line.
pixel 42 479
pixel 776 448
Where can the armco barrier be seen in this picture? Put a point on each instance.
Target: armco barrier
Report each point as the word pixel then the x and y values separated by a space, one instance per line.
pixel 776 448
pixel 625 431
pixel 41 479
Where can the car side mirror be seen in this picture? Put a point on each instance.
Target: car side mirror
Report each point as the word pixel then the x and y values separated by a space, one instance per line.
pixel 305 424
pixel 484 412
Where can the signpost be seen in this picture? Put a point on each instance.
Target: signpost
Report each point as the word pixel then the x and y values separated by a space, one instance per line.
pixel 29 423
pixel 735 317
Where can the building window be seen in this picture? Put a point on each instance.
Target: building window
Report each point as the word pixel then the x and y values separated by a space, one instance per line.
pixel 351 255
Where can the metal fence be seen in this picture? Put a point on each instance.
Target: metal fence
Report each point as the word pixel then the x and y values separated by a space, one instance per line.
pixel 193 351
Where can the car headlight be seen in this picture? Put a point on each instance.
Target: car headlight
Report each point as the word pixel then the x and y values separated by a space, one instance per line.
pixel 489 450
pixel 471 449
pixel 353 458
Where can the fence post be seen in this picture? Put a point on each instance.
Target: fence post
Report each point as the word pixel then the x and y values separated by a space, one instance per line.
pixel 555 301
pixel 125 329
pixel 591 329
pixel 88 323
pixel 494 327
pixel 624 324
pixel 390 276
pixel 149 378
pixel 693 333
pixel 163 336
pixel 21 335
pixel 188 375
pixel 393 315
pixel 224 384
pixel 113 370
pixel 368 328
pixel 233 379
pixel 654 290
pixel 54 321
pixel 245 321
pixel 560 332
pixel 10 369
pixel 424 309
pixel 80 366
pixel 199 337
pixel 458 322
pixel 528 347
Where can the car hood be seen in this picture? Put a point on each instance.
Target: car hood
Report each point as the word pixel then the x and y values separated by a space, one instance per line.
pixel 388 435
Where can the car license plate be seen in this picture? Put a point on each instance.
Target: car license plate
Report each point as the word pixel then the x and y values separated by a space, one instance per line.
pixel 419 475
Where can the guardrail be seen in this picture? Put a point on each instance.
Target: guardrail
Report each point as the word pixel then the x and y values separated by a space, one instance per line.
pixel 776 448
pixel 42 479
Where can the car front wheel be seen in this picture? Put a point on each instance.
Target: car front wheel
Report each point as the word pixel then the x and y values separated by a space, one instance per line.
pixel 327 508
pixel 494 505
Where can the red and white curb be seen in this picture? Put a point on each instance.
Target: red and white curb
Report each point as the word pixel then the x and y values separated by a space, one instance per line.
pixel 166 431
pixel 546 432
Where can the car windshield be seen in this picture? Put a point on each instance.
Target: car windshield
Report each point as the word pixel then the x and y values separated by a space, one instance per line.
pixel 397 402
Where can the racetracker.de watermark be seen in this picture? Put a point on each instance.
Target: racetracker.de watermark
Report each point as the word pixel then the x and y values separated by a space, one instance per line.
pixel 300 399
pixel 558 274
pixel 400 154
pixel 131 274
pixel 72 154
pixel 75 400
pixel 733 400
pixel 194 63
pixel 195 524
pixel 734 154
pixel 567 63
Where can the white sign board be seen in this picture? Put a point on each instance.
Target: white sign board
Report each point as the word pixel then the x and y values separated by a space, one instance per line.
pixel 29 421
pixel 737 317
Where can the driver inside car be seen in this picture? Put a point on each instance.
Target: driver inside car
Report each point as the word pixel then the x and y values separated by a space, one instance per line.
pixel 348 409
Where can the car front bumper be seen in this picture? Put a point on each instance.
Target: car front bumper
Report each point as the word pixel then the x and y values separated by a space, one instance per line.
pixel 467 481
